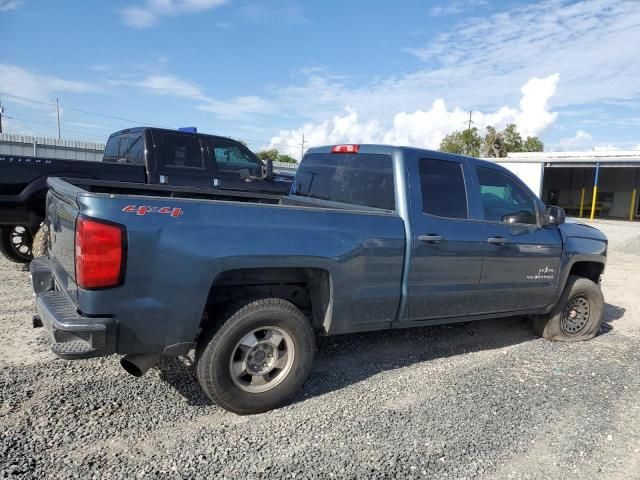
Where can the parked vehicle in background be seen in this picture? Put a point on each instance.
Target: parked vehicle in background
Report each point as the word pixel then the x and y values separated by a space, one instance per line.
pixel 136 155
pixel 371 237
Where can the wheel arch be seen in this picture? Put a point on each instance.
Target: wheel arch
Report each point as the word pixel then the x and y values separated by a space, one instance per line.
pixel 590 269
pixel 308 288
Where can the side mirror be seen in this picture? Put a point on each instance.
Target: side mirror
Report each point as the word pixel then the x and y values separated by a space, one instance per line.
pixel 517 217
pixel 555 215
pixel 268 168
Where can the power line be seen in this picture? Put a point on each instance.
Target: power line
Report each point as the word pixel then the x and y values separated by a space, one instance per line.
pixel 52 127
pixel 84 111
pixel 137 122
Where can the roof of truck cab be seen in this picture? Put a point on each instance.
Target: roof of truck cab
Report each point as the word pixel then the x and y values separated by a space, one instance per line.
pixel 382 149
pixel 168 130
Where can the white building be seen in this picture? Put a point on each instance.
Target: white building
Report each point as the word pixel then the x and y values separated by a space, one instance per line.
pixel 567 179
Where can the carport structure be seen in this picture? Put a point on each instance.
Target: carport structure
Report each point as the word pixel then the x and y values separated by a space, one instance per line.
pixel 599 184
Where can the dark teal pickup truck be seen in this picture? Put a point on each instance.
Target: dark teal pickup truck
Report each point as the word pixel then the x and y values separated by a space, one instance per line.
pixel 371 237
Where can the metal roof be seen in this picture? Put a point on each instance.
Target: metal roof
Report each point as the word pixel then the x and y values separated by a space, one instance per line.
pixel 619 157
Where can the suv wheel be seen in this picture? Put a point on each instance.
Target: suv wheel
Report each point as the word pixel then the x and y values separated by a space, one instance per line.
pixel 258 359
pixel 578 314
pixel 15 243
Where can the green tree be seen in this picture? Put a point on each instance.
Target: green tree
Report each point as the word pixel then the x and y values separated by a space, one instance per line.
pixel 286 158
pixel 465 142
pixel 275 156
pixel 499 144
pixel 493 145
pixel 533 144
pixel 511 139
pixel 271 154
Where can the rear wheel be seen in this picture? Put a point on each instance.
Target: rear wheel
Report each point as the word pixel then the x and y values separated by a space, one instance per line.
pixel 15 243
pixel 259 357
pixel 578 314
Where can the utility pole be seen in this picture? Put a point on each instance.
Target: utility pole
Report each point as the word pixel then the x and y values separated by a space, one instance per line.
pixel 1 112
pixel 302 147
pixel 469 132
pixel 58 114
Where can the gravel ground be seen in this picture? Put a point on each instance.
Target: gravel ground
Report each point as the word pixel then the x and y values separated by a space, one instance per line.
pixel 478 400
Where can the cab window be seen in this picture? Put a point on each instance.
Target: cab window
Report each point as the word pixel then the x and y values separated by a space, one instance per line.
pixel 443 189
pixel 181 151
pixel 232 157
pixel 134 150
pixel 502 197
pixel 364 179
pixel 111 149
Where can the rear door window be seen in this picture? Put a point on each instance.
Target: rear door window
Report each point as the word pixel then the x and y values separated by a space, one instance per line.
pixel 443 189
pixel 363 179
pixel 181 151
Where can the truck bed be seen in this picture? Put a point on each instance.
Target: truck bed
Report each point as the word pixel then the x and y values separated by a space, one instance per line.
pixel 173 262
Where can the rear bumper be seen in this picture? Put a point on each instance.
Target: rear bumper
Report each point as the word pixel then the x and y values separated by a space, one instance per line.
pixel 74 335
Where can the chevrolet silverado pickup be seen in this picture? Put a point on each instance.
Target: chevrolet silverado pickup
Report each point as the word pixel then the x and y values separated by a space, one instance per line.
pixel 371 237
pixel 141 155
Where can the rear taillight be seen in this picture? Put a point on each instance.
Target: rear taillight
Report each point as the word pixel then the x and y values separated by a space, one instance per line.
pixel 99 253
pixel 345 148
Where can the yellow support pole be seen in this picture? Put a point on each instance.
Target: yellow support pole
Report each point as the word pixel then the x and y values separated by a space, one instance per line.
pixel 582 201
pixel 632 207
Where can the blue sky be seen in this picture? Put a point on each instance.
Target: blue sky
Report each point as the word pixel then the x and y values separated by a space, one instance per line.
pixel 398 72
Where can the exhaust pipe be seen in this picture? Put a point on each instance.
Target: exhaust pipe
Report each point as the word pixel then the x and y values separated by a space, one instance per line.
pixel 137 364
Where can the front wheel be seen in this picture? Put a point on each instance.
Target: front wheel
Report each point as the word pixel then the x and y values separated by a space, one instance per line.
pixel 15 243
pixel 258 359
pixel 578 314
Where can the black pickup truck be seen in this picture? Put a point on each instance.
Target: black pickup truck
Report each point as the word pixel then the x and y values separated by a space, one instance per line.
pixel 135 155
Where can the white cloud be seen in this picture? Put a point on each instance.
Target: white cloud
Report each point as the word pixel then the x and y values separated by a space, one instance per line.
pixel 151 11
pixel 580 141
pixel 424 128
pixel 237 107
pixel 8 5
pixel 479 63
pixel 173 85
pixel 163 84
pixel 586 42
pixel 454 8
pixel 138 17
pixel 24 83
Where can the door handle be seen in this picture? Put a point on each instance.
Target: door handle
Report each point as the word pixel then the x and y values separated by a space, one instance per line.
pixel 497 240
pixel 431 238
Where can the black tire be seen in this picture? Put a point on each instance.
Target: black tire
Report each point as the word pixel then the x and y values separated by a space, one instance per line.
pixel 40 241
pixel 217 348
pixel 16 253
pixel 577 315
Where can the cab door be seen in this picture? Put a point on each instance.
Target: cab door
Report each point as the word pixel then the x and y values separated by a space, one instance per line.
pixel 521 256
pixel 180 160
pixel 234 167
pixel 446 256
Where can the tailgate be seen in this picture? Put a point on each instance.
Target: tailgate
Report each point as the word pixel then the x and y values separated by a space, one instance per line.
pixel 62 211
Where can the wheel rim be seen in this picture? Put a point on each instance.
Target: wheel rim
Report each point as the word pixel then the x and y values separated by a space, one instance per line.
pixel 262 359
pixel 21 239
pixel 575 316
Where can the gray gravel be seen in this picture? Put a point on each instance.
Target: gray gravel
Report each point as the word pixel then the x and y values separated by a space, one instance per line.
pixel 477 400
